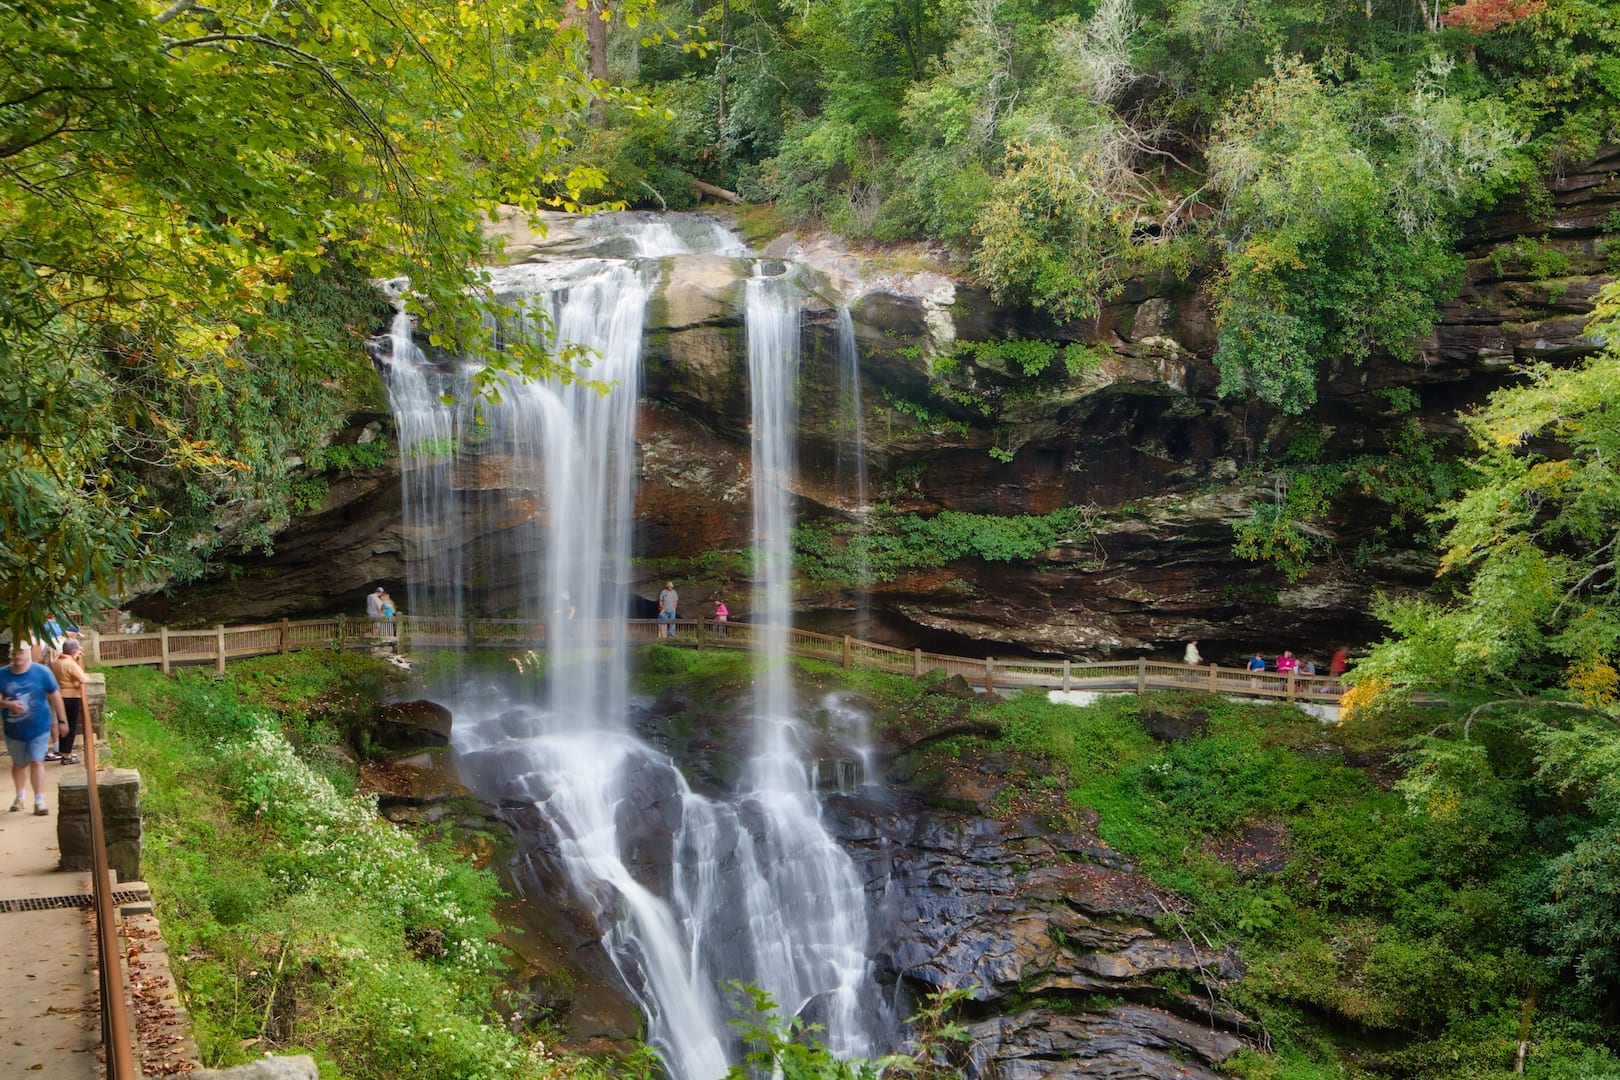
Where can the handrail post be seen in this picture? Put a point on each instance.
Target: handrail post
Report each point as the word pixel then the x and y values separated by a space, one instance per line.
pixel 702 631
pixel 114 1018
pixel 1141 675
pixel 916 662
pixel 219 648
pixel 1290 686
pixel 286 636
pixel 848 652
pixel 1068 683
pixel 1214 683
pixel 989 674
pixel 343 631
pixel 163 650
pixel 95 647
pixel 472 634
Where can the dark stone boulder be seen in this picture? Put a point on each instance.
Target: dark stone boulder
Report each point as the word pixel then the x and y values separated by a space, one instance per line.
pixel 412 725
pixel 1169 726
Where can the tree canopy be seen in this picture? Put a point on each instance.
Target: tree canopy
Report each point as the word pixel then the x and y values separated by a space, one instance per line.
pixel 1309 165
pixel 194 198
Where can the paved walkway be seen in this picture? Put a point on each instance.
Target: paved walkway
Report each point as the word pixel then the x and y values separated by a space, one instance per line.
pixel 50 1023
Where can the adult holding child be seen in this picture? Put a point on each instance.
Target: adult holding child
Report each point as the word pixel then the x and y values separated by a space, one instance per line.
pixel 29 699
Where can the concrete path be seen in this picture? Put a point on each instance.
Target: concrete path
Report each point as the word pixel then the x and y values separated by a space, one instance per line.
pixel 50 1020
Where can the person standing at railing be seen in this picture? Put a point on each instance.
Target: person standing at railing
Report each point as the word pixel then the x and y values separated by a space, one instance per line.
pixel 1287 664
pixel 1338 665
pixel 1256 663
pixel 69 671
pixel 374 606
pixel 29 699
pixel 721 614
pixel 668 600
pixel 1192 657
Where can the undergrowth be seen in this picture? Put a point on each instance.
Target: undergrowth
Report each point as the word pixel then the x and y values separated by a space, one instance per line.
pixel 1378 938
pixel 299 920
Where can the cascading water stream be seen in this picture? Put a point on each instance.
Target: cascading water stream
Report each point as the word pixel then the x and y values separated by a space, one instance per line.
pixel 852 422
pixel 750 889
pixel 817 890
pixel 427 432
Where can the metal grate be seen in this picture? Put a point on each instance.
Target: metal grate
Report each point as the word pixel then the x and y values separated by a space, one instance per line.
pixel 78 900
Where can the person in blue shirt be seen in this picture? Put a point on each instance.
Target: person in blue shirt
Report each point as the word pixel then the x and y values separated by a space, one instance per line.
pixel 32 712
pixel 1256 663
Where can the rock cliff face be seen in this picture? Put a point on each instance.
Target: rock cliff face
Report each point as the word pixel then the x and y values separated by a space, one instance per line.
pixel 1135 434
pixel 964 899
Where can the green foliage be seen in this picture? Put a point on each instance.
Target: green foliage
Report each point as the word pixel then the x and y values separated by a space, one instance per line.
pixel 787 1048
pixel 1048 234
pixel 1405 482
pixel 888 544
pixel 184 302
pixel 301 919
pixel 1337 245
pixel 1531 544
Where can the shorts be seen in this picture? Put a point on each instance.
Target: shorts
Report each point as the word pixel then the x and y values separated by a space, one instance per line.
pixel 666 616
pixel 23 751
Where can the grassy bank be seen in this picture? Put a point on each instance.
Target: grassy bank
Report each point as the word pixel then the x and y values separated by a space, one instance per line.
pixel 298 919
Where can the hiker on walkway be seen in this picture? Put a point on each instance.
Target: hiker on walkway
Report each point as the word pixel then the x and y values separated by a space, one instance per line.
pixel 667 601
pixel 29 699
pixel 1256 663
pixel 1339 664
pixel 721 614
pixel 1192 657
pixel 1287 664
pixel 69 671
pixel 374 606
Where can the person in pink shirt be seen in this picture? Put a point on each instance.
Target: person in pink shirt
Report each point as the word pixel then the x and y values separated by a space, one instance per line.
pixel 1287 664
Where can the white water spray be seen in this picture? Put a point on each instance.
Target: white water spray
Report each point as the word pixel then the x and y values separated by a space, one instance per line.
pixel 688 892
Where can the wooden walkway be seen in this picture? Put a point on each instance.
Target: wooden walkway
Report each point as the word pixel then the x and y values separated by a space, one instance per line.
pixel 217 646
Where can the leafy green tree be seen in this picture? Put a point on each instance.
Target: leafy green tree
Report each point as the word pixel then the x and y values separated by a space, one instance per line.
pixel 180 185
pixel 1337 244
pixel 1532 543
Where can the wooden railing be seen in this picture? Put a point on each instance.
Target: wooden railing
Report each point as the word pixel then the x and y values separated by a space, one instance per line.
pixel 166 648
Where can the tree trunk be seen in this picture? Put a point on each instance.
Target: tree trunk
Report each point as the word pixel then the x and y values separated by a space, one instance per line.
pixel 596 65
pixel 725 32
pixel 718 193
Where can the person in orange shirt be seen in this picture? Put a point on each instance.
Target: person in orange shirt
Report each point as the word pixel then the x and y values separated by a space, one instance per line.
pixel 69 671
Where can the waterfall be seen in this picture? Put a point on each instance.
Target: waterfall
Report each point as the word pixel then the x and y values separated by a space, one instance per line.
pixel 428 434
pixel 687 892
pixel 816 891
pixel 852 424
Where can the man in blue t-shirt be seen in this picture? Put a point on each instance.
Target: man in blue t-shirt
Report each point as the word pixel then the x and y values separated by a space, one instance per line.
pixel 32 710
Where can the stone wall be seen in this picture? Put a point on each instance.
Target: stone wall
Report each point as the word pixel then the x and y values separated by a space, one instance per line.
pixel 120 792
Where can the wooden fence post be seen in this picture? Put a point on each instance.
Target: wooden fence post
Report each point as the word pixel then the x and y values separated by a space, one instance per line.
pixel 989 674
pixel 848 653
pixel 1214 683
pixel 1290 686
pixel 472 634
pixel 702 631
pixel 1141 675
pixel 342 631
pixel 286 636
pixel 1068 683
pixel 219 648
pixel 95 647
pixel 163 649
pixel 916 663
